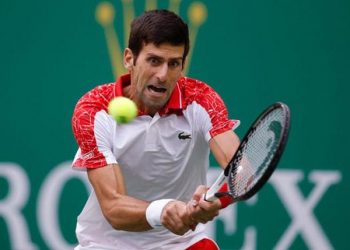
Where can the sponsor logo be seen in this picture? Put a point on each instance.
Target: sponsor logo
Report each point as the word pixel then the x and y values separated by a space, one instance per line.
pixel 183 136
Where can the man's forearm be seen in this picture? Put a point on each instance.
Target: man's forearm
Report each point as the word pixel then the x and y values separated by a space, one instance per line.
pixel 127 213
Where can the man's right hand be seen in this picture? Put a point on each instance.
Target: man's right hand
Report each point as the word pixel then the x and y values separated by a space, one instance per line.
pixel 202 211
pixel 176 218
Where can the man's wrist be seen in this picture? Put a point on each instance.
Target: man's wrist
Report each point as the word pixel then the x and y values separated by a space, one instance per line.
pixel 154 212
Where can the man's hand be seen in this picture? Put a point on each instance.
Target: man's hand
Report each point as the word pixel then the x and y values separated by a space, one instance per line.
pixel 202 211
pixel 175 217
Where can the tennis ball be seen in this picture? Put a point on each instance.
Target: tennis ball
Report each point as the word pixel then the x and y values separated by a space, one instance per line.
pixel 122 109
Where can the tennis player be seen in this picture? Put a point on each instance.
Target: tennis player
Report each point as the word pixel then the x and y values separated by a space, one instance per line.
pixel 148 176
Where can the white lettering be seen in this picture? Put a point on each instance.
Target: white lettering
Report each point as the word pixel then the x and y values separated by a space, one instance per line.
pixel 13 203
pixel 300 209
pixel 48 203
pixel 285 182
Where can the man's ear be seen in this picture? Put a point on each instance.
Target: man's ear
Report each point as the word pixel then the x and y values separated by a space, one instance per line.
pixel 128 59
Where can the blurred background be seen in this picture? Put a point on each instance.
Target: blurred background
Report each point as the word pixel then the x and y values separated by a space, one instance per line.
pixel 252 52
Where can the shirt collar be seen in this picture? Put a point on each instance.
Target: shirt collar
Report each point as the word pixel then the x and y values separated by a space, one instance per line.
pixel 121 82
pixel 174 105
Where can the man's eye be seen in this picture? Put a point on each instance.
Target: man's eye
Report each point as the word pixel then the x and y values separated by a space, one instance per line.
pixel 174 64
pixel 154 61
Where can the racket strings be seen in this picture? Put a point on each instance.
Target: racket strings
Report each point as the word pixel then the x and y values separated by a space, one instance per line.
pixel 256 153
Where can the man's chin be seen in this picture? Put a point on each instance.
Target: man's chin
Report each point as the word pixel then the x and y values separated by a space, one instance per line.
pixel 154 105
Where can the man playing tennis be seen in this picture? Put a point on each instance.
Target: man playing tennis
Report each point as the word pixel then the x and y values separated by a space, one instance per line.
pixel 149 176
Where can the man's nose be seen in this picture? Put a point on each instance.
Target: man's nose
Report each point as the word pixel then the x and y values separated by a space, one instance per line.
pixel 162 72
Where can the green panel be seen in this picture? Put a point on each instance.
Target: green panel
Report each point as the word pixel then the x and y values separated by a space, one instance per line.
pixel 252 52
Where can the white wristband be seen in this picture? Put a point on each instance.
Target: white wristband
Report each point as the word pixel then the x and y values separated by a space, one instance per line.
pixel 154 212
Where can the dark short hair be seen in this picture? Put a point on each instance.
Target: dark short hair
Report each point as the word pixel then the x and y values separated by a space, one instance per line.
pixel 158 27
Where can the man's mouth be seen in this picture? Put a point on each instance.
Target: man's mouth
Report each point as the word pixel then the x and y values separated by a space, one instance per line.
pixel 156 89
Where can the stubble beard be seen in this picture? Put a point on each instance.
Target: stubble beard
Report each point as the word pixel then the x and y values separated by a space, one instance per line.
pixel 152 106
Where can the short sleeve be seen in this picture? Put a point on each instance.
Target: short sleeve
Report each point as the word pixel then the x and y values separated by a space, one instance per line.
pixel 216 109
pixel 93 131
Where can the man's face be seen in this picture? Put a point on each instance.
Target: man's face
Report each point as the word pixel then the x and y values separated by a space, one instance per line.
pixel 154 74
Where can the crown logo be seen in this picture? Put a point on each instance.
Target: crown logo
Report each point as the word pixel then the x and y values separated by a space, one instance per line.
pixel 106 15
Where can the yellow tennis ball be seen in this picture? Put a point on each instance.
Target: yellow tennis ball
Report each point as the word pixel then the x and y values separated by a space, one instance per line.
pixel 122 109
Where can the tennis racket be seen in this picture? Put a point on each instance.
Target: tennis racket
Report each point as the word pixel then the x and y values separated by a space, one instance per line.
pixel 256 157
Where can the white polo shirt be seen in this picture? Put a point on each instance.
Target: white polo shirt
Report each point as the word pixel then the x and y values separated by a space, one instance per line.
pixel 164 156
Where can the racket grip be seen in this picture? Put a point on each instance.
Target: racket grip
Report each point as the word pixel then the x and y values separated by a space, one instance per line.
pixel 225 199
pixel 210 194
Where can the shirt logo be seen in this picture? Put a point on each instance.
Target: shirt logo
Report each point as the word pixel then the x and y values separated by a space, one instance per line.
pixel 87 156
pixel 183 136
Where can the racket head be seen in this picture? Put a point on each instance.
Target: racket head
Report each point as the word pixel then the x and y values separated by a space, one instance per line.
pixel 259 152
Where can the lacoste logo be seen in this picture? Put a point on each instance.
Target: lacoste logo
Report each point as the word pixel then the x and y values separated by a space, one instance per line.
pixel 183 136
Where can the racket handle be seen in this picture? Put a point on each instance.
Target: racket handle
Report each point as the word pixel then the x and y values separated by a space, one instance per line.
pixel 210 194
